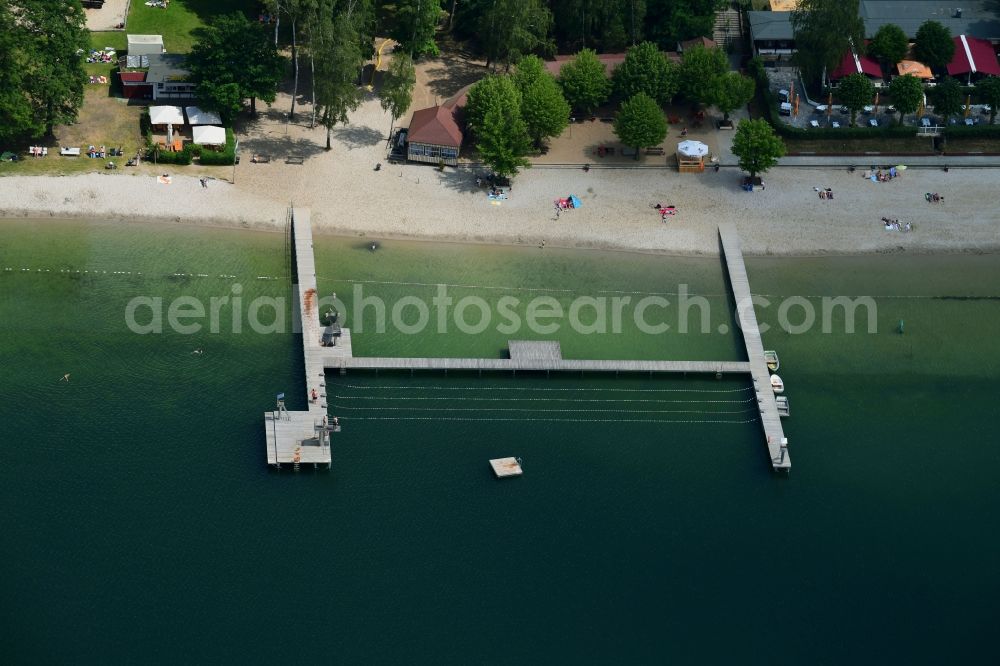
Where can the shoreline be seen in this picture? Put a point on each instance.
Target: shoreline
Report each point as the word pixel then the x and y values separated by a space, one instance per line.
pixel 496 240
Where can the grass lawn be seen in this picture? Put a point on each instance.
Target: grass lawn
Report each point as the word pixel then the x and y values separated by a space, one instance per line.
pixel 177 22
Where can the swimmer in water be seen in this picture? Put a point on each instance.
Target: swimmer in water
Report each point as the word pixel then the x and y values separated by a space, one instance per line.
pixel 199 350
pixel 65 378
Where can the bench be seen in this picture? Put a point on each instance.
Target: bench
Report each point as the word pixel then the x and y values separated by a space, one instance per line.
pixel 260 159
pixel 295 159
pixel 71 152
pixel 655 150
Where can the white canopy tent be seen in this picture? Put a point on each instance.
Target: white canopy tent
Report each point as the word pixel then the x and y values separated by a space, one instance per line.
pixel 692 149
pixel 197 116
pixel 163 115
pixel 209 135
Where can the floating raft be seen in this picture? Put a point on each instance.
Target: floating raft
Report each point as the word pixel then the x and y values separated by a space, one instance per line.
pixel 504 467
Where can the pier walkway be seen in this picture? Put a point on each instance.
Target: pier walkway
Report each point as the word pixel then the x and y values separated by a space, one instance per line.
pixel 770 420
pixel 303 436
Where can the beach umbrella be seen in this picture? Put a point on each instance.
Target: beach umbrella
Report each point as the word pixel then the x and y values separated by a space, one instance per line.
pixel 170 134
pixel 876 101
pixel 920 109
pixel 829 105
pixel 692 148
pixel 795 111
pixel 968 105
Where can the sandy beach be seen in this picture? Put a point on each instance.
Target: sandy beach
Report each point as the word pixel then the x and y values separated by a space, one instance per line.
pixel 347 196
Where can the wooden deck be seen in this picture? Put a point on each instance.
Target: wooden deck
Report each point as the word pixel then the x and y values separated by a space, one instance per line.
pixel 292 437
pixel 537 364
pixel 769 418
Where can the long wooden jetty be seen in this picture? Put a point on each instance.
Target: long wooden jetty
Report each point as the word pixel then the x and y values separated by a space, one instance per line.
pixel 774 435
pixel 303 437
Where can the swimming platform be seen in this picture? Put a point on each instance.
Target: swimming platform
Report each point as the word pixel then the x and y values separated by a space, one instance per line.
pixel 303 437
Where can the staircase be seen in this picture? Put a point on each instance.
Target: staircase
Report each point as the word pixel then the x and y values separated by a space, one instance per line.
pixel 728 27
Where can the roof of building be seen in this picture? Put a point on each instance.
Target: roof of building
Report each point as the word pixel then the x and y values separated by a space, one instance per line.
pixel 435 125
pixel 208 135
pixel 974 17
pixel 974 56
pixel 771 26
pixel 161 115
pixel 198 116
pixel 609 60
pixel 145 39
pixel 852 63
pixel 697 41
pixel 165 67
pixel 977 18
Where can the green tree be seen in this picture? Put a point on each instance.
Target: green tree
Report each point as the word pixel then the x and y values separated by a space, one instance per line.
pixel 510 29
pixel 855 92
pixel 544 109
pixel 16 114
pixel 732 91
pixel 701 69
pixel 757 146
pixel 585 82
pixel 890 44
pixel 605 25
pixel 906 92
pixel 988 92
pixel 640 122
pixel 48 37
pixel 824 31
pixel 493 112
pixel 232 50
pixel 946 98
pixel 413 25
pixel 397 87
pixel 646 70
pixel 337 51
pixel 934 46
pixel 672 21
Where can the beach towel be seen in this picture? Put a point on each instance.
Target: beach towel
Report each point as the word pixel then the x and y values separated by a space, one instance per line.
pixel 163 179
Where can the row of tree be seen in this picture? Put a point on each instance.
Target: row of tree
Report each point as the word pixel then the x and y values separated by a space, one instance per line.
pixel 703 77
pixel 507 113
pixel 505 30
pixel 41 72
pixel 907 93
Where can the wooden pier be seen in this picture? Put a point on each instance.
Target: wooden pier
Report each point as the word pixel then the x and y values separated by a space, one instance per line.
pixel 303 437
pixel 777 445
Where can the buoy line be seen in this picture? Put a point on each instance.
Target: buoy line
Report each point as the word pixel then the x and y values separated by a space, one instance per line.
pixel 453 399
pixel 546 420
pixel 530 388
pixel 531 411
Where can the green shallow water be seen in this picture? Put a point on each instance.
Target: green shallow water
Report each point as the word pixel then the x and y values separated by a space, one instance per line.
pixel 141 525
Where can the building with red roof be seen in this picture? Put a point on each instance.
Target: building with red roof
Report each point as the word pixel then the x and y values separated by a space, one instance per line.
pixel 435 135
pixel 973 56
pixel 852 63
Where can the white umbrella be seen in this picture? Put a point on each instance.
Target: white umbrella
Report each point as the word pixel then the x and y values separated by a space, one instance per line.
pixel 692 148
pixel 170 135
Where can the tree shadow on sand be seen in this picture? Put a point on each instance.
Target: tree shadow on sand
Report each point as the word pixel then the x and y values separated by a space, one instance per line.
pixel 451 73
pixel 358 136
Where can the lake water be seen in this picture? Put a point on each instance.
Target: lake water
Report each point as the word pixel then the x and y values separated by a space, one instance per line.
pixel 142 525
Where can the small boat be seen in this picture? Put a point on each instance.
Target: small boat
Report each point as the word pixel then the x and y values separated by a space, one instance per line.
pixel 771 358
pixel 783 409
pixel 777 384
